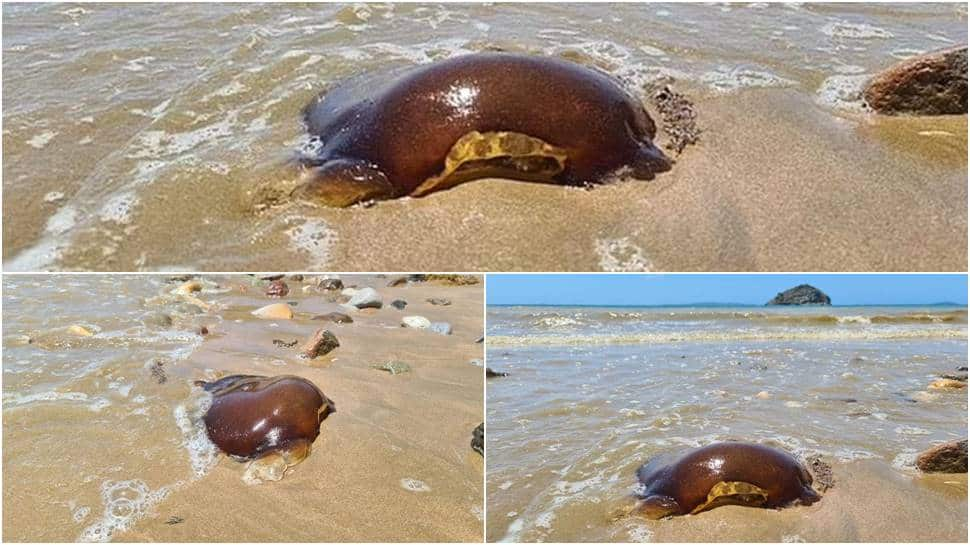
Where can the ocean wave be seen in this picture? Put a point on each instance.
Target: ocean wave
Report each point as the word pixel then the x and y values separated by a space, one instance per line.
pixel 866 334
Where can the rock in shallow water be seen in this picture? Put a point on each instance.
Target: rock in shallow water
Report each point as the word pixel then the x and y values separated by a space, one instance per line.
pixel 399 304
pixel 478 439
pixel 934 83
pixel 331 284
pixel 416 322
pixel 946 458
pixel 277 288
pixel 276 311
pixel 322 343
pixel 441 328
pixel 335 317
pixel 366 298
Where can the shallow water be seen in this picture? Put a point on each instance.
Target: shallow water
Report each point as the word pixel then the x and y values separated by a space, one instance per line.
pixel 593 393
pixel 136 137
pixel 102 438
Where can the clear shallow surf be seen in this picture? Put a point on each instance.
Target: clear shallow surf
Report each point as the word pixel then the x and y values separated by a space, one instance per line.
pixel 137 136
pixel 595 392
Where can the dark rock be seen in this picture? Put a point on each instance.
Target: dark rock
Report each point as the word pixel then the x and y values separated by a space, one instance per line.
pixel 272 277
pixel 277 288
pixel 480 340
pixel 489 373
pixel 478 439
pixel 439 301
pixel 399 304
pixel 961 368
pixel 962 377
pixel 934 83
pixel 284 344
pixel 946 458
pixel 182 278
pixel 203 331
pixel 399 281
pixel 801 295
pixel 678 118
pixel 320 344
pixel 331 284
pixel 335 317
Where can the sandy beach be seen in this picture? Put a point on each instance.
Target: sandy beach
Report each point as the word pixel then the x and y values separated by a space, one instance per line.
pixel 163 156
pixel 393 463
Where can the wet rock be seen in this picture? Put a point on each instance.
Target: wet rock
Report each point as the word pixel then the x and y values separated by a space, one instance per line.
pixel 330 284
pixel 157 319
pixel 949 457
pixel 366 298
pixel 399 281
pixel 947 384
pixel 335 317
pixel 822 473
pixel 277 288
pixel 203 331
pixel 399 304
pixel 962 377
pixel 284 344
pixel 961 368
pixel 393 367
pixel 179 278
pixel 80 331
pixel 934 83
pixel 296 277
pixel 489 373
pixel 189 287
pixel 450 279
pixel 439 301
pixel 276 311
pixel 272 277
pixel 480 340
pixel 416 322
pixel 478 439
pixel 801 295
pixel 678 118
pixel 441 328
pixel 322 343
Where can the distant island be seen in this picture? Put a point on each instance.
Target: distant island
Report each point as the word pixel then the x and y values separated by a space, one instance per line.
pixel 801 295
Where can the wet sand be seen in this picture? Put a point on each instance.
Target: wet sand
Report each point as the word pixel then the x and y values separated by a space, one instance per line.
pixel 870 502
pixel 393 463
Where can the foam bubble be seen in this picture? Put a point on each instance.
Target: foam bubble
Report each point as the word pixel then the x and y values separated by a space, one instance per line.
pixel 843 92
pixel 38 141
pixel 857 31
pixel 203 453
pixel 124 503
pixel 118 208
pixel 414 485
pixel 727 79
pixel 621 255
pixel 315 238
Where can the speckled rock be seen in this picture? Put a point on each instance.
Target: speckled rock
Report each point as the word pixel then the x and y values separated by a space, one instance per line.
pixel 934 83
pixel 946 458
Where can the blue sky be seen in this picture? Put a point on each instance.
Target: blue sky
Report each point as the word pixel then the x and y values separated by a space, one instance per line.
pixel 756 289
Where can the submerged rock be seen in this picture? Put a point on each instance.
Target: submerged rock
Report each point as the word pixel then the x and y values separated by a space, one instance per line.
pixel 478 439
pixel 489 373
pixel 80 331
pixel 277 288
pixel 947 384
pixel 330 284
pixel 946 458
pixel 441 328
pixel 393 367
pixel 322 343
pixel 801 295
pixel 366 298
pixel 416 322
pixel 399 304
pixel 934 83
pixel 276 311
pixel 335 317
